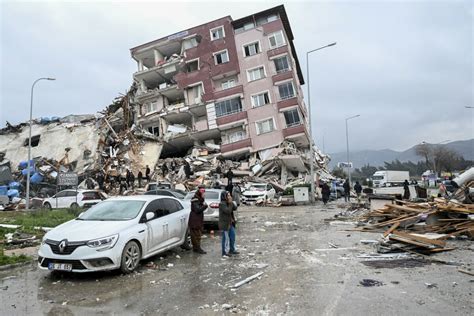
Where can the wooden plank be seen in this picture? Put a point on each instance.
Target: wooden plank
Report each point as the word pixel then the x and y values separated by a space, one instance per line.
pixel 405 208
pixel 411 242
pixel 391 229
pixel 466 272
pixel 435 242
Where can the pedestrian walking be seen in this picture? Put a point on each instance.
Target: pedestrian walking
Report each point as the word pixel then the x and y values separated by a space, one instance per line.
pixel 227 224
pixel 325 192
pixel 196 219
pixel 147 173
pixel 406 190
pixel 140 177
pixel 347 190
pixel 358 190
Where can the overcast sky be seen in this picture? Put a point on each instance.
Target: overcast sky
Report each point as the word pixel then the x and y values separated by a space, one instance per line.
pixel 405 66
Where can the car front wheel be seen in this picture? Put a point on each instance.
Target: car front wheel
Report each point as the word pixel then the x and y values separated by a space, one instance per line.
pixel 47 206
pixel 131 255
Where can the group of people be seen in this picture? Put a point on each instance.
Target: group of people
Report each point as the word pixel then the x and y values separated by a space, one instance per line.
pixel 227 222
pixel 326 191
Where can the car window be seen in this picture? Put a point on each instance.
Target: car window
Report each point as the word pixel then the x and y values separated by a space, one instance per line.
pixel 152 187
pixel 113 210
pixel 178 205
pixel 150 193
pixel 208 195
pixel 90 196
pixel 170 205
pixel 159 207
pixel 163 192
pixel 61 194
pixel 71 193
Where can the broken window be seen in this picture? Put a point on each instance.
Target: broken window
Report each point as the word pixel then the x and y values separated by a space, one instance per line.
pixel 192 65
pixel 195 94
pixel 276 39
pixel 233 137
pixel 255 74
pixel 265 126
pixel 221 57
pixel 226 84
pixel 217 33
pixel 154 130
pixel 266 19
pixel 281 64
pixel 190 43
pixel 260 99
pixel 292 118
pixel 286 90
pixel 228 107
pixel 34 141
pixel 251 49
pixel 151 107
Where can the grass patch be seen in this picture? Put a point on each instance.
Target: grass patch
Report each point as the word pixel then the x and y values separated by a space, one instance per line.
pixel 4 260
pixel 39 218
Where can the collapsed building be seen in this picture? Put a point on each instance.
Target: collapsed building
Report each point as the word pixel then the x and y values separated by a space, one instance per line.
pixel 225 93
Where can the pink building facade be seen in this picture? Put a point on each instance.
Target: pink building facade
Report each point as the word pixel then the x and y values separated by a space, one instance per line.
pixel 233 83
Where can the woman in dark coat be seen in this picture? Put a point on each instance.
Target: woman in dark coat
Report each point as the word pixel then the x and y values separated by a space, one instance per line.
pixel 196 219
pixel 325 192
pixel 406 190
pixel 227 224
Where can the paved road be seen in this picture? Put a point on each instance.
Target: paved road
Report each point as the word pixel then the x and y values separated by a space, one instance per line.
pixel 302 275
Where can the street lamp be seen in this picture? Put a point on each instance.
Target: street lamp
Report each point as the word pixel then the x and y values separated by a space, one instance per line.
pixel 29 144
pixel 311 149
pixel 347 144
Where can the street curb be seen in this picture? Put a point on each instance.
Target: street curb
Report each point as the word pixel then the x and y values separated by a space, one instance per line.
pixel 15 265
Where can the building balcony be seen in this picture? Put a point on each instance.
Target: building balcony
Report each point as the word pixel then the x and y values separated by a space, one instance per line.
pixel 277 51
pixel 224 93
pixel 228 119
pixel 282 76
pixel 298 134
pixel 293 130
pixel 287 103
pixel 241 145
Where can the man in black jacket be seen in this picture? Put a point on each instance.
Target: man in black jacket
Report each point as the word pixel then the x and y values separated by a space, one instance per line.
pixel 358 189
pixel 196 219
pixel 347 191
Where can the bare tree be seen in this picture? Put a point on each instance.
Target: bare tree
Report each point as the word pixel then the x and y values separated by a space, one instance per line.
pixel 444 159
pixel 425 150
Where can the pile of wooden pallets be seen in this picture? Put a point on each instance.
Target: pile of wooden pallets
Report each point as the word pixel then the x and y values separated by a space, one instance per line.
pixel 421 227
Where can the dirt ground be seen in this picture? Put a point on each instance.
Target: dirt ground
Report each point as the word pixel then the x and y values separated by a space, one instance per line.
pixel 303 274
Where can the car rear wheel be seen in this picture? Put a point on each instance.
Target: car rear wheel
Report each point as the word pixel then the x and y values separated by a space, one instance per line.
pixel 131 255
pixel 74 205
pixel 47 206
pixel 187 245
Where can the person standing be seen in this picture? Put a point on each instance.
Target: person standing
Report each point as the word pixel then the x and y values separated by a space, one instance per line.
pixel 164 169
pixel 196 219
pixel 230 177
pixel 147 173
pixel 227 224
pixel 187 169
pixel 406 190
pixel 325 192
pixel 140 177
pixel 347 190
pixel 131 179
pixel 358 190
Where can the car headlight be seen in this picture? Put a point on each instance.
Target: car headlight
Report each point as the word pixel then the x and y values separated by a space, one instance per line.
pixel 103 243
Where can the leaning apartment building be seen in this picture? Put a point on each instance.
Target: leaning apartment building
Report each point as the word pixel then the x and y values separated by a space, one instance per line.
pixel 233 83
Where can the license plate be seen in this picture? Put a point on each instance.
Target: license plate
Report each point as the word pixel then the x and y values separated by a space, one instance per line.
pixel 60 266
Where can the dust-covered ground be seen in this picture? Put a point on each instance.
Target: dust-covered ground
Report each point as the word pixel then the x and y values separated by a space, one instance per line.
pixel 310 267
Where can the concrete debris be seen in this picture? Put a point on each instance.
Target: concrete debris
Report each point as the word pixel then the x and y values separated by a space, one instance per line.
pixel 370 282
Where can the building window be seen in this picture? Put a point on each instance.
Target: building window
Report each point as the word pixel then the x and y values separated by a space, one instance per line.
pixel 292 118
pixel 266 126
pixel 154 130
pixel 276 39
pixel 195 94
pixel 233 137
pixel 260 99
pixel 266 19
pixel 226 84
pixel 221 57
pixel 251 49
pixel 151 107
pixel 228 107
pixel 190 43
pixel 286 90
pixel 281 64
pixel 34 141
pixel 217 33
pixel 255 74
pixel 192 65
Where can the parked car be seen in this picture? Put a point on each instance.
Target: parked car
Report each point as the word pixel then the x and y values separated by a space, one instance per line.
pixel 212 198
pixel 337 192
pixel 167 192
pixel 157 185
pixel 72 198
pixel 256 191
pixel 116 234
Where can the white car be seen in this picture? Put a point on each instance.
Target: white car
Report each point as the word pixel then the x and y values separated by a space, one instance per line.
pixel 116 234
pixel 256 191
pixel 74 199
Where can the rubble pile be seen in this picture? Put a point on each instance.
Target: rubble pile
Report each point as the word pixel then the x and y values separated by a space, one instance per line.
pixel 421 227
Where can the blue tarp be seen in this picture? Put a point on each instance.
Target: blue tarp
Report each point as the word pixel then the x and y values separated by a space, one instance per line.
pixel 24 164
pixel 14 185
pixel 25 171
pixel 36 178
pixel 13 193
pixel 3 190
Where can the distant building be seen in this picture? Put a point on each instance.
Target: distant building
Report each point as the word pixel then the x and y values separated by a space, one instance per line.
pixel 234 83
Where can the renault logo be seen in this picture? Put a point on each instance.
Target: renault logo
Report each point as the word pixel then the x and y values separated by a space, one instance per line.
pixel 62 245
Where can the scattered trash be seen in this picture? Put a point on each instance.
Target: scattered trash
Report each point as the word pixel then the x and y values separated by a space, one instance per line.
pixel 370 282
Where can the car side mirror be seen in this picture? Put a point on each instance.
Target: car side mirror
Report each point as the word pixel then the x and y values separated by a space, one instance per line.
pixel 149 216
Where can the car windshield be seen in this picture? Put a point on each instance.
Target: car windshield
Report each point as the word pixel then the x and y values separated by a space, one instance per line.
pixel 113 211
pixel 208 195
pixel 257 187
pixel 377 177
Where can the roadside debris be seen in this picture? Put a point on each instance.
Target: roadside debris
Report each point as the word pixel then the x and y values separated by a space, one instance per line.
pixel 247 280
pixel 370 282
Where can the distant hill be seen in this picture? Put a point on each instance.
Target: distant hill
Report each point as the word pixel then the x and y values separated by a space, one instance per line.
pixel 377 157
